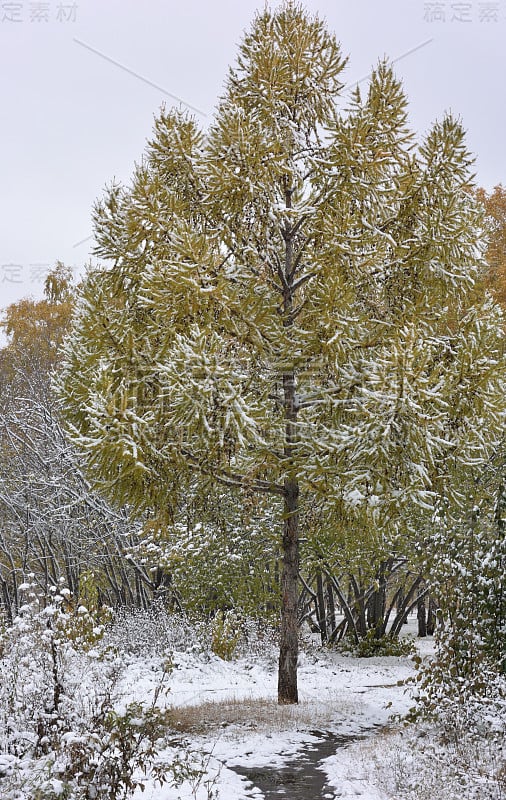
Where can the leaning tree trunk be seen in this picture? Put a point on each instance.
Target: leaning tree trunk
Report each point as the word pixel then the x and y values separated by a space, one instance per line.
pixel 431 617
pixel 331 606
pixel 377 603
pixel 321 612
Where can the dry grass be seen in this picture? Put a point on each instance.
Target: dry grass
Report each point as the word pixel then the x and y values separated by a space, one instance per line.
pixel 260 713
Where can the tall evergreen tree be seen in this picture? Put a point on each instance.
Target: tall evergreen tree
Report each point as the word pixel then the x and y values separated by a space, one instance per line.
pixel 290 305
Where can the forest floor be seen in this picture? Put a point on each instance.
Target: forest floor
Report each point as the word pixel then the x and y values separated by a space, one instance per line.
pixel 228 715
pixel 152 696
pixel 343 740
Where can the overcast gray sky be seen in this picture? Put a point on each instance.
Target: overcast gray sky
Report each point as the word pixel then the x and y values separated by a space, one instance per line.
pixel 80 84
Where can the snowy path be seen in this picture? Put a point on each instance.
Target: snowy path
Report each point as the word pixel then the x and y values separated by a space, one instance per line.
pixel 303 776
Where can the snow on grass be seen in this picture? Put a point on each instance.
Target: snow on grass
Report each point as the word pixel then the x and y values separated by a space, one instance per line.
pixel 419 763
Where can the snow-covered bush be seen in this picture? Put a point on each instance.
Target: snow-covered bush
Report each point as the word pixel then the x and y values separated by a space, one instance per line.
pixel 220 555
pixel 61 733
pixel 157 632
pixel 388 645
pixel 468 575
pixel 258 638
pixel 432 762
pixel 225 634
pixel 154 631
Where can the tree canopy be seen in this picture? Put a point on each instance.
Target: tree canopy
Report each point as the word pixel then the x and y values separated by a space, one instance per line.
pixel 290 303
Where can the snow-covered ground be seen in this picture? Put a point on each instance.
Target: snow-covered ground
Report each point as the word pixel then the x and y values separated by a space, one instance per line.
pixel 230 718
pixel 218 730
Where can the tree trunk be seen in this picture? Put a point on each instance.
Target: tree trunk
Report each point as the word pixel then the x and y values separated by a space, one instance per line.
pixel 332 607
pixel 289 642
pixel 421 613
pixel 431 617
pixel 347 608
pixel 359 608
pixel 377 603
pixel 6 601
pixel 407 605
pixel 320 607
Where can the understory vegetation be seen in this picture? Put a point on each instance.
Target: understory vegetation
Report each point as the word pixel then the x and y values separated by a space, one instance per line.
pixel 460 756
pixel 65 728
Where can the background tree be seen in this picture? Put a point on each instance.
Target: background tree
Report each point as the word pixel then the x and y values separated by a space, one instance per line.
pixel 291 306
pixel 52 526
pixel 220 555
pixel 36 328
